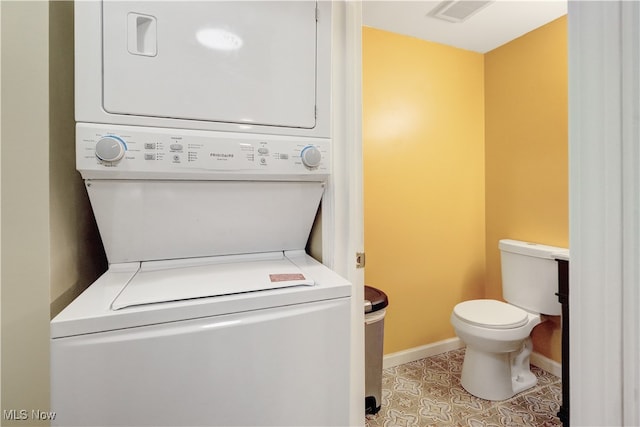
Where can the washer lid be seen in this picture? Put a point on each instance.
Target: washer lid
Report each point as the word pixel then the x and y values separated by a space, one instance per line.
pixel 179 280
pixel 491 314
pixel 92 311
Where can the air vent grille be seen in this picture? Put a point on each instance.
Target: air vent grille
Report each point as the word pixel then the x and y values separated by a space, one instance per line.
pixel 458 11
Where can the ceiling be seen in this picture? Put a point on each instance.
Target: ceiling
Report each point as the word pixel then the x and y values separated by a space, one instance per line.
pixel 496 24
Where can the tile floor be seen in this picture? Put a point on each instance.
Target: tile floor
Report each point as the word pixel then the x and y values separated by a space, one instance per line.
pixel 427 392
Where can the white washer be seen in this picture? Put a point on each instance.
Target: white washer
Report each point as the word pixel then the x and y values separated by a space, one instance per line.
pixel 211 312
pixel 269 357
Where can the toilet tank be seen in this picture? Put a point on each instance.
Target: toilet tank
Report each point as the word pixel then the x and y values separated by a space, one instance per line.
pixel 530 275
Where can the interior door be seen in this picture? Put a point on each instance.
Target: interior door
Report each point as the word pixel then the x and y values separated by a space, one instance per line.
pixel 223 61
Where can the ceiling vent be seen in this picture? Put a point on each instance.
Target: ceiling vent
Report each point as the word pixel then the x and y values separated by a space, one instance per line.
pixel 458 10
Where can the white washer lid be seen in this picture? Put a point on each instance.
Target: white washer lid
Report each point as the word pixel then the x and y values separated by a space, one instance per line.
pixel 179 280
pixel 491 314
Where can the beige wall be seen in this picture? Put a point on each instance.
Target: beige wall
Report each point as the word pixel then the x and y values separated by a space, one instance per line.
pixel 49 247
pixel 25 207
pixel 0 209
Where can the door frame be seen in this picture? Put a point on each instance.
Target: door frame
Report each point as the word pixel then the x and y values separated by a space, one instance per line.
pixel 343 215
pixel 604 200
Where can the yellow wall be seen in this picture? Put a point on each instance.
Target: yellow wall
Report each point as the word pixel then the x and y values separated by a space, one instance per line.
pixel 449 133
pixel 423 138
pixel 526 153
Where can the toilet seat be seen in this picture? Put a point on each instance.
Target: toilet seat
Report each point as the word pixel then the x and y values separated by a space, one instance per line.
pixel 492 314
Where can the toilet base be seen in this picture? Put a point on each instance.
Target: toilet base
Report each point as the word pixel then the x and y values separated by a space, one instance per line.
pixel 497 376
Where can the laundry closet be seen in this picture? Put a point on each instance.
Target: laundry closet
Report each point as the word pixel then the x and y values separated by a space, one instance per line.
pixel 204 137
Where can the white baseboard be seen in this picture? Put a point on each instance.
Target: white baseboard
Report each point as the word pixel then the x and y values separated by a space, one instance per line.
pixel 546 364
pixel 417 353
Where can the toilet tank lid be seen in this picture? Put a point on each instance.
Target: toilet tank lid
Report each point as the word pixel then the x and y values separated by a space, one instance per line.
pixel 533 249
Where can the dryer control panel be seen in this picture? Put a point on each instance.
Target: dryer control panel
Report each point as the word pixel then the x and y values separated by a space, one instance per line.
pixel 133 152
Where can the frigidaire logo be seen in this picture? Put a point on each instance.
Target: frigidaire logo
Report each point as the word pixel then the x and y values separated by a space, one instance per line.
pixel 24 414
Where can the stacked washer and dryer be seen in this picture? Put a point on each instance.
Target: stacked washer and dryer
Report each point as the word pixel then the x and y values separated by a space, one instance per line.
pixel 203 137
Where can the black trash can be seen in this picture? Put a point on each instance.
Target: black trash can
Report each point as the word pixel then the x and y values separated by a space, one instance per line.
pixel 375 302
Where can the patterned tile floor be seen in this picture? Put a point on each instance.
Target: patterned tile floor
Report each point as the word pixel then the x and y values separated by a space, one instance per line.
pixel 427 392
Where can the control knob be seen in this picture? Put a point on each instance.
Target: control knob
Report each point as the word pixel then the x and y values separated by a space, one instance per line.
pixel 311 156
pixel 110 148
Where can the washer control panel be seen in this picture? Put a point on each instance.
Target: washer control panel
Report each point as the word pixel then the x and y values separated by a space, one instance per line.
pixel 104 151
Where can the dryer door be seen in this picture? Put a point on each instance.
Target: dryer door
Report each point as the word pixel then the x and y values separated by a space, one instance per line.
pixel 223 61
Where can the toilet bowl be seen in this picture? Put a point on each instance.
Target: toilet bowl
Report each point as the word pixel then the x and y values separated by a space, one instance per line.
pixel 497 333
pixel 496 363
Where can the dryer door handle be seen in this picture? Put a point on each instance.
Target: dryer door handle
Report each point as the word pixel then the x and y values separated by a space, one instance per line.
pixel 142 34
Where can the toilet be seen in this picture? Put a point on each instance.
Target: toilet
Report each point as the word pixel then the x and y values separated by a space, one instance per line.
pixel 496 333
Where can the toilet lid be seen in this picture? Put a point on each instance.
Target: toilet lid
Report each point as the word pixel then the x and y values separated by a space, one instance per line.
pixel 491 314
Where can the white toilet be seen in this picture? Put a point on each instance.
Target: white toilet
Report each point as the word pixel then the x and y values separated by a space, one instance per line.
pixel 496 362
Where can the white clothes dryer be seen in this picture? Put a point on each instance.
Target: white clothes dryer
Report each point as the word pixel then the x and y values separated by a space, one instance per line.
pixel 225 65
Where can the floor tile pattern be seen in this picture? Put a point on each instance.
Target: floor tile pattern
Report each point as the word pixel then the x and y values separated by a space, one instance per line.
pixel 427 392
